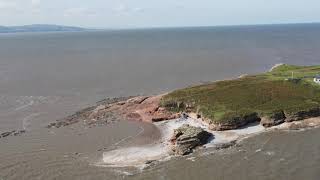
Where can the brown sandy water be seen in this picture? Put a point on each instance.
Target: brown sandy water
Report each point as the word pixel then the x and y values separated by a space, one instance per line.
pixel 44 77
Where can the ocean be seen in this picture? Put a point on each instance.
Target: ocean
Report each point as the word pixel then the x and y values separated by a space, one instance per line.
pixel 47 76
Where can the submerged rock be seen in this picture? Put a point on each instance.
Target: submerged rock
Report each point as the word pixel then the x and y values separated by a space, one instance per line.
pixel 12 133
pixel 225 145
pixel 187 137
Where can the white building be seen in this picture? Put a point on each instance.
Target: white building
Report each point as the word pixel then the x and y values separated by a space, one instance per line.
pixel 317 79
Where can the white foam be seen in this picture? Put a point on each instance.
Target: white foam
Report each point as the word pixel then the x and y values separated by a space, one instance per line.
pixel 236 134
pixel 135 156
pixel 24 106
pixel 26 122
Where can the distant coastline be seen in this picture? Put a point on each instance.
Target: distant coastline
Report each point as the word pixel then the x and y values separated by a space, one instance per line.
pixel 40 28
pixel 33 28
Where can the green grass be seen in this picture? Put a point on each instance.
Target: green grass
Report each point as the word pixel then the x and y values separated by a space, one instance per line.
pixel 263 94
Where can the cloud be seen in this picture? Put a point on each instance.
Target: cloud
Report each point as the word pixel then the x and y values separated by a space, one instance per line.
pixel 5 4
pixel 125 9
pixel 71 12
pixel 35 2
pixel 121 8
pixel 138 9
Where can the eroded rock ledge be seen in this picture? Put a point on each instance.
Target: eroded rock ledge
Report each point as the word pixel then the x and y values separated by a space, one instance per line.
pixel 140 108
pixel 273 119
pixel 97 114
pixel 143 108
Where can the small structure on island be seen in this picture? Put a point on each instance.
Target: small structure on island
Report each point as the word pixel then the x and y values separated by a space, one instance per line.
pixel 293 79
pixel 316 79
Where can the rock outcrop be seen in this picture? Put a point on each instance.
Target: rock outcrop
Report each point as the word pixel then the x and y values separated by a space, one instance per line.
pixel 187 137
pixel 143 108
pixel 275 118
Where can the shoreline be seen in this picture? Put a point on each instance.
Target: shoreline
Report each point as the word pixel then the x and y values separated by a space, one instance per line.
pixel 143 156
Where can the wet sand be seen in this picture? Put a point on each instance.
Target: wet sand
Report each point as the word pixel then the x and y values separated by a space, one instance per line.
pixel 69 152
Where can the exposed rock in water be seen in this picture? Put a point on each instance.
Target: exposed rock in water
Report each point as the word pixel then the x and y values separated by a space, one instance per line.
pixel 12 133
pixel 301 115
pixel 97 114
pixel 187 137
pixel 235 122
pixel 276 118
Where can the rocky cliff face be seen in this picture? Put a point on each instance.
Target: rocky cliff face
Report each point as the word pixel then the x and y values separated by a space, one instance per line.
pixel 303 114
pixel 280 117
pixel 235 122
pixel 273 119
pixel 186 138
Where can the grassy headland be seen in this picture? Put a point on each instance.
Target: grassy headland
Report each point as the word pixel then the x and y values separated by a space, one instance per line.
pixel 233 103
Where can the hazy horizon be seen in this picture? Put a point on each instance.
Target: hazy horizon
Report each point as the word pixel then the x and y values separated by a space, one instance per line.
pixel 165 27
pixel 122 14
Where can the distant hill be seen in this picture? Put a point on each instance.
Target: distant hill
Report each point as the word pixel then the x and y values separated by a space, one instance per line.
pixel 39 28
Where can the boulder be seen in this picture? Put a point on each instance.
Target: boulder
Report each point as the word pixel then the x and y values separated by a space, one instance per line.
pixel 186 138
pixel 275 118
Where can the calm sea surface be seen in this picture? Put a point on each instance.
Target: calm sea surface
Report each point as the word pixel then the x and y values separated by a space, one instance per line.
pixel 46 76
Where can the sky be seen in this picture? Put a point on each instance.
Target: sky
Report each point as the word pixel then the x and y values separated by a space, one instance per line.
pixel 157 13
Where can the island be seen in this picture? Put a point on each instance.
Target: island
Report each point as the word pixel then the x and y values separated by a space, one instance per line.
pixel 285 93
pixel 286 97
